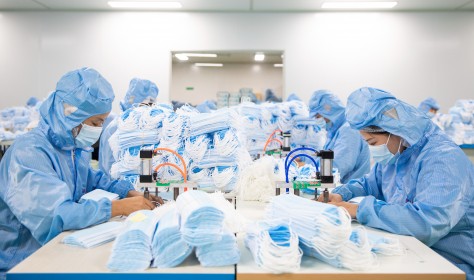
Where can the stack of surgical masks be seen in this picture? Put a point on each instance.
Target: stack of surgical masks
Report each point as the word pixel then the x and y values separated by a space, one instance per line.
pixel 354 254
pixel 94 236
pixel 210 144
pixel 220 252
pixel 384 245
pixel 459 122
pixel 168 246
pixel 274 246
pixel 14 121
pixel 132 248
pixel 201 220
pixel 321 227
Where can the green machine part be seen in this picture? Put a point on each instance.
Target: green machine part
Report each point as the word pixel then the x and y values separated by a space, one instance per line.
pixel 297 185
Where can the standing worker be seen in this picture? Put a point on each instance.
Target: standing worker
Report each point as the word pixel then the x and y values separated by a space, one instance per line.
pixel 429 106
pixel 351 154
pixel 422 183
pixel 139 92
pixel 45 172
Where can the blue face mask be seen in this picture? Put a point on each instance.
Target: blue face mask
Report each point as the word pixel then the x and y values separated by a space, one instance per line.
pixel 382 154
pixel 87 136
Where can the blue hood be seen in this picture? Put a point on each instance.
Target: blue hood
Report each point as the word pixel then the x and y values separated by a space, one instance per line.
pixel 327 104
pixel 370 106
pixel 79 95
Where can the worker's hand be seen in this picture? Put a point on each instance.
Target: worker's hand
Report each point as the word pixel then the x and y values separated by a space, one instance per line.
pixel 129 205
pixel 153 198
pixel 156 199
pixel 350 207
pixel 333 197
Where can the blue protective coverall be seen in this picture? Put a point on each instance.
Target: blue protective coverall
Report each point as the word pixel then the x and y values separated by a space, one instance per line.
pixel 139 91
pixel 43 174
pixel 351 153
pixel 428 192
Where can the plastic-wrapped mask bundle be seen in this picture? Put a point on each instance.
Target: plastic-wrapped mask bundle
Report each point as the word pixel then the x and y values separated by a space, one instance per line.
pixel 201 220
pixel 168 246
pixel 320 226
pixel 132 248
pixel 219 253
pixel 94 236
pixel 20 123
pixel 274 246
pixel 386 245
pixel 211 122
pixel 355 253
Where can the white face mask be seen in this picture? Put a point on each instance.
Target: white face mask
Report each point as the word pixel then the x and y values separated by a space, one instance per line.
pixel 87 136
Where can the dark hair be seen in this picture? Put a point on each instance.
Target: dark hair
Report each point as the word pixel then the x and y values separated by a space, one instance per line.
pixel 373 129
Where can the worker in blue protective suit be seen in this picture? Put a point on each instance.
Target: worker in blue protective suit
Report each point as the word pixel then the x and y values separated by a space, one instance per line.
pixel 429 106
pixel 422 183
pixel 31 102
pixel 139 92
pixel 351 153
pixel 44 173
pixel 292 97
pixel 271 97
pixel 206 106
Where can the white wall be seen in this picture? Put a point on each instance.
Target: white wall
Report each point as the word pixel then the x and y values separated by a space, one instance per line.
pixel 413 55
pixel 207 81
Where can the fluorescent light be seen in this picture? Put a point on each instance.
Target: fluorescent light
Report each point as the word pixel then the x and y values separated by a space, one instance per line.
pixel 358 5
pixel 198 54
pixel 181 57
pixel 259 57
pixel 145 5
pixel 209 64
pixel 278 65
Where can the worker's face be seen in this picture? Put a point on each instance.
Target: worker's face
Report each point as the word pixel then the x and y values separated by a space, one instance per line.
pixel 434 111
pixel 320 116
pixel 379 139
pixel 96 121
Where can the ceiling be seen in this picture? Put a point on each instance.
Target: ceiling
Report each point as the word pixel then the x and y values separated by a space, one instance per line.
pixel 231 5
pixel 271 57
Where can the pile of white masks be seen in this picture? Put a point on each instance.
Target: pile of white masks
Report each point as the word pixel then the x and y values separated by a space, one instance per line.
pixel 95 235
pixel 274 246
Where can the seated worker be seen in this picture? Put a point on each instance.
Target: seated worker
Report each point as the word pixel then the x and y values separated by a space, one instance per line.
pixel 351 153
pixel 139 92
pixel 44 173
pixel 422 184
pixel 429 106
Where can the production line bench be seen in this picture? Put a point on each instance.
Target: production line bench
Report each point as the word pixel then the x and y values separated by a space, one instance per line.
pixel 59 261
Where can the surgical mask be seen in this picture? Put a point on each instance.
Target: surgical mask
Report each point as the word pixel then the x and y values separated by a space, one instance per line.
pixel 430 115
pixel 321 122
pixel 87 136
pixel 382 154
